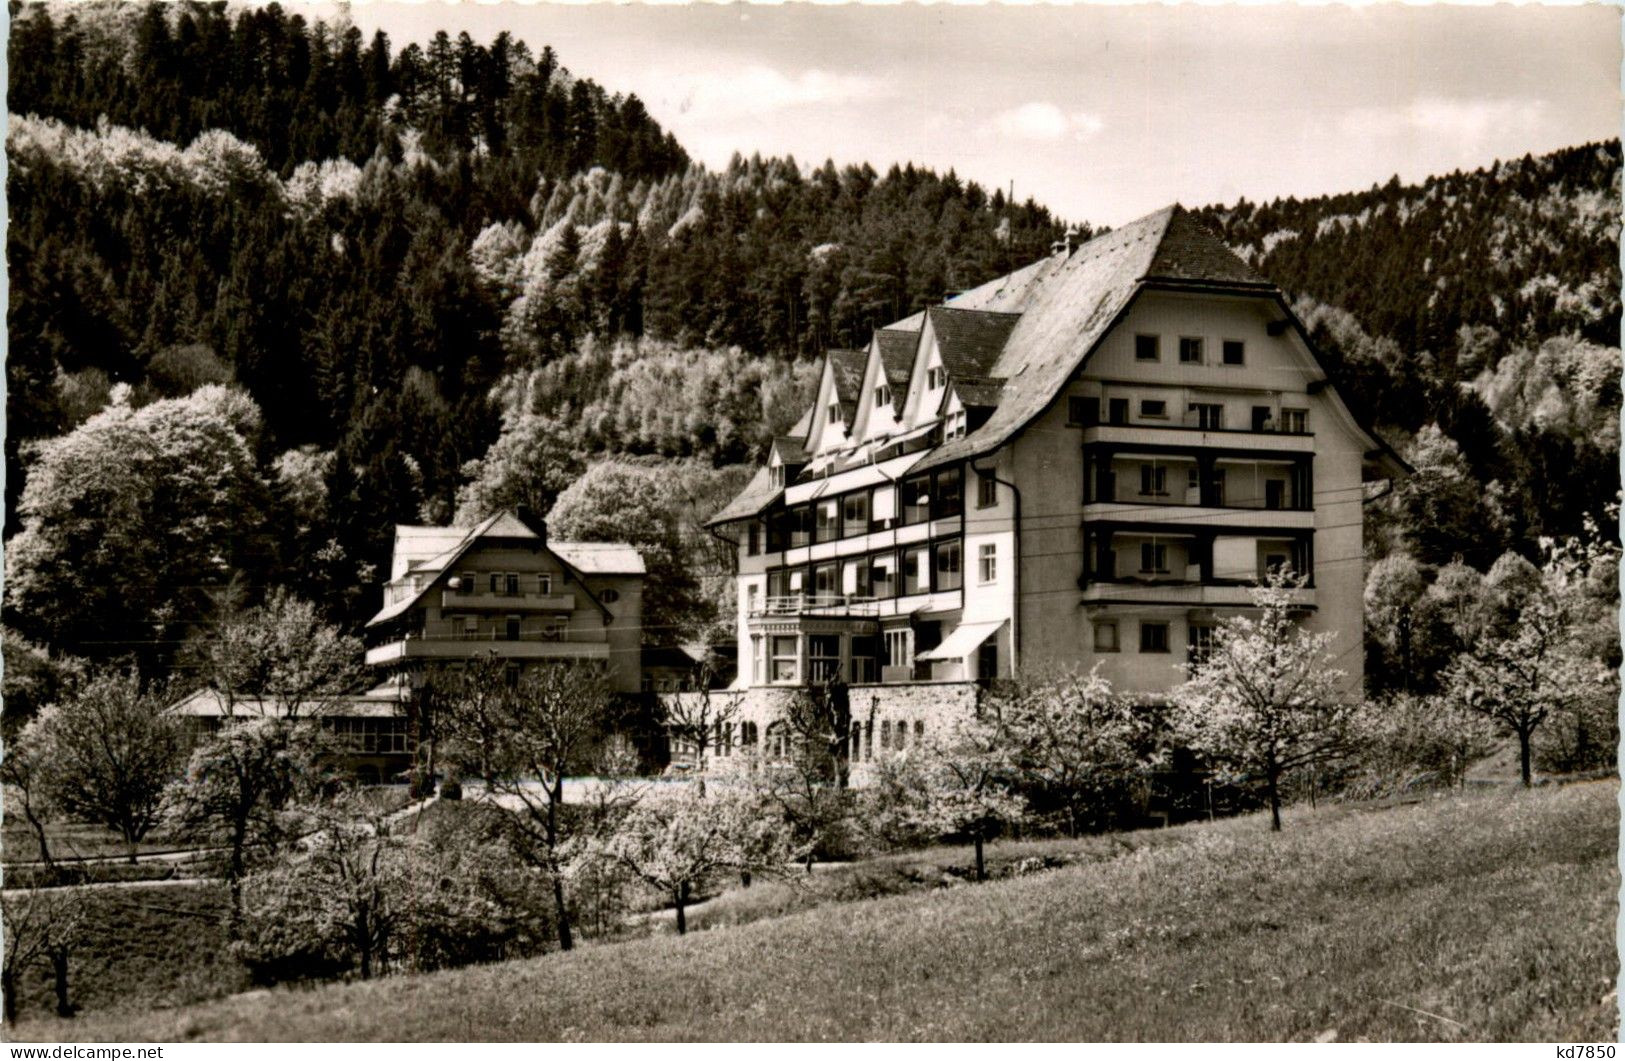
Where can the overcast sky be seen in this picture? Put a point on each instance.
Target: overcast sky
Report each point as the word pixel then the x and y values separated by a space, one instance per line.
pixel 1101 113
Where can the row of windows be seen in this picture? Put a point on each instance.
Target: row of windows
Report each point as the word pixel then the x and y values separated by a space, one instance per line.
pixel 1154 638
pixel 861 512
pixel 510 584
pixel 1272 557
pixel 374 735
pixel 894 736
pixel 1289 489
pixel 508 628
pixel 914 500
pixel 1192 350
pixel 869 654
pixel 504 584
pixel 930 567
pixel 1207 416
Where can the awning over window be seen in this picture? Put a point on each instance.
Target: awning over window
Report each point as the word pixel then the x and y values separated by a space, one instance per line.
pixel 966 638
pixel 907 436
pixel 856 478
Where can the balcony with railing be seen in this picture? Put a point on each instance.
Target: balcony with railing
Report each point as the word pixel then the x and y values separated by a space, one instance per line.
pixel 1171 477
pixel 455 601
pixel 1196 567
pixel 829 604
pixel 1170 433
pixel 1181 593
pixel 508 640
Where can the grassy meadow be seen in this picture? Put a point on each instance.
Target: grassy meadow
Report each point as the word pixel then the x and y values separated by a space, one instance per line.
pixel 1481 917
pixel 75 840
pixel 145 947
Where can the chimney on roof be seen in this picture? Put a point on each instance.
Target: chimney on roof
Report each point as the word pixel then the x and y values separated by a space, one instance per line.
pixel 1066 245
pixel 529 518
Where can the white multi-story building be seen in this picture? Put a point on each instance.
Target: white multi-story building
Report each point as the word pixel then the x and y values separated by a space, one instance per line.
pixel 1088 461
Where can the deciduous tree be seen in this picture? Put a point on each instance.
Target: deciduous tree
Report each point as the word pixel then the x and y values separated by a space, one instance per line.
pixel 239 787
pixel 23 770
pixel 1078 744
pixel 128 518
pixel 1396 611
pixel 676 843
pixel 1410 739
pixel 337 896
pixel 44 924
pixel 1542 653
pixel 958 785
pixel 108 751
pixel 281 655
pixel 617 501
pixel 1267 700
pixel 522 742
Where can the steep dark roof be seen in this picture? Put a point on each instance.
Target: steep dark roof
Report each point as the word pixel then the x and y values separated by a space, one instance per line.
pixel 792 448
pixel 1051 313
pixel 969 340
pixel 1189 252
pixel 978 392
pixel 757 495
pixel 897 358
pixel 1067 303
pixel 846 366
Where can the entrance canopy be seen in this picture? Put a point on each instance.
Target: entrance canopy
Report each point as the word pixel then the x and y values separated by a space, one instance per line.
pixel 966 639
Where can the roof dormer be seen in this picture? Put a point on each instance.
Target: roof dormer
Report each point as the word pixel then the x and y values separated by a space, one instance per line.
pixel 785 460
pixel 835 407
pixel 955 345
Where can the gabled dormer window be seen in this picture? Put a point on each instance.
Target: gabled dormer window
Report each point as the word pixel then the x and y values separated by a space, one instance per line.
pixel 936 378
pixel 834 412
pixel 955 427
pixel 882 395
pixel 775 475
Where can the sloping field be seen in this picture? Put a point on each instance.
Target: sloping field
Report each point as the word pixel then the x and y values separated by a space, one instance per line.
pixel 1488 917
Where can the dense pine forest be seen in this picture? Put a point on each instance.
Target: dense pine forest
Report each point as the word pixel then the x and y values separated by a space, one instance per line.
pixel 380 285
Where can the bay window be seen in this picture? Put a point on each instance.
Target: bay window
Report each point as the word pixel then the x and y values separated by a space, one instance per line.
pixel 783 658
pixel 823 657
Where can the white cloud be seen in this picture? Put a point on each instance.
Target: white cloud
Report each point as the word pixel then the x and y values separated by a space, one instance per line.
pixel 753 90
pixel 1045 121
pixel 1468 123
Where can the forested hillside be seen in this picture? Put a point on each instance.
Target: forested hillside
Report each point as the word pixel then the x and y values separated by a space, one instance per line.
pixel 1486 303
pixel 400 256
pixel 1526 249
pixel 454 277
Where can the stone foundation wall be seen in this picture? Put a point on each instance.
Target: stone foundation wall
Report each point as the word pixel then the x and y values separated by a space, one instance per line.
pixel 922 711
